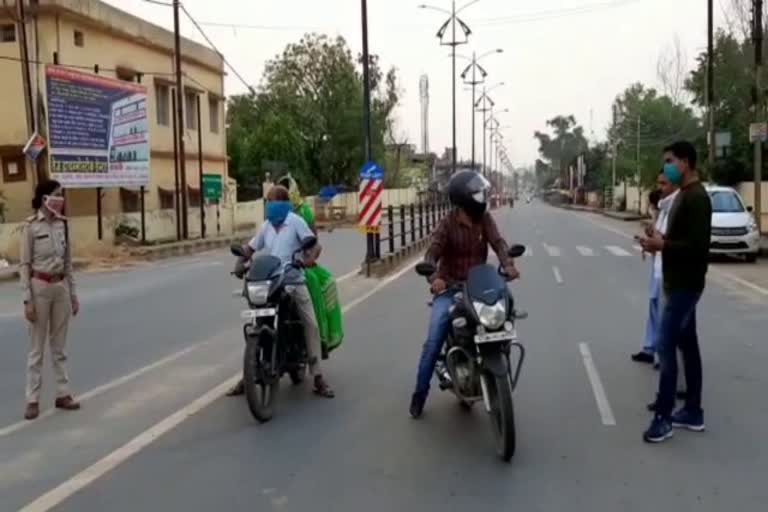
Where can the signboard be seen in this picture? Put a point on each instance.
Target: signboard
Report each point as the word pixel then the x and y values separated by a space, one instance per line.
pixel 758 132
pixel 98 130
pixel 212 187
pixel 35 145
pixel 371 191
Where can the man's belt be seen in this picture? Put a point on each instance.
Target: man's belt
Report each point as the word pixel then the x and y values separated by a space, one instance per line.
pixel 48 278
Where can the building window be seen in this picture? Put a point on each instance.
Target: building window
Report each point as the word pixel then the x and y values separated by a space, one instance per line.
pixel 8 33
pixel 190 104
pixel 162 103
pixel 79 39
pixel 14 169
pixel 129 200
pixel 125 74
pixel 166 199
pixel 213 107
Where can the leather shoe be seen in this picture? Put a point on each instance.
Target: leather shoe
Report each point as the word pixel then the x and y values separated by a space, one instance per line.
pixel 32 411
pixel 67 403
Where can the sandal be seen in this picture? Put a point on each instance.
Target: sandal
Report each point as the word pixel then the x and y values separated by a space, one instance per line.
pixel 322 388
pixel 237 390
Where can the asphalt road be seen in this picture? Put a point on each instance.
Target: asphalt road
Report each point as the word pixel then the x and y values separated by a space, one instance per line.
pixel 162 438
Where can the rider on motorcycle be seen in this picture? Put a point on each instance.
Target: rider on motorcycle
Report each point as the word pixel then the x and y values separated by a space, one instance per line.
pixel 282 236
pixel 459 243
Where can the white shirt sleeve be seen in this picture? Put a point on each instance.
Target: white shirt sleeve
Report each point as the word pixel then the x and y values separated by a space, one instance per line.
pixel 257 242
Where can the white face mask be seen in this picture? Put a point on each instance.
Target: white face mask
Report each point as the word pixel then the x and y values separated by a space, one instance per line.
pixel 55 205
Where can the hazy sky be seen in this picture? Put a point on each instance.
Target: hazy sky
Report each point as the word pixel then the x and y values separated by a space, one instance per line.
pixel 560 56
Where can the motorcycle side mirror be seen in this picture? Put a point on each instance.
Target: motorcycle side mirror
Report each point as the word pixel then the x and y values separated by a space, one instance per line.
pixel 516 251
pixel 308 243
pixel 425 268
pixel 237 250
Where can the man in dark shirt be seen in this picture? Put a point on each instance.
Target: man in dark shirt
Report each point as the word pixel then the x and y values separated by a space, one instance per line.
pixel 685 258
pixel 459 243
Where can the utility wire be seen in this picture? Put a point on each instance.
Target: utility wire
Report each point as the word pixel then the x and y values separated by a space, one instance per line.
pixel 213 46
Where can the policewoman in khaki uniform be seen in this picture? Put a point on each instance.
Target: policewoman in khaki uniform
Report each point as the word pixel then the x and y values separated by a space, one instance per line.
pixel 49 294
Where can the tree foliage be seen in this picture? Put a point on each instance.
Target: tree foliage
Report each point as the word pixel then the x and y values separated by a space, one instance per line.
pixel 308 114
pixel 559 148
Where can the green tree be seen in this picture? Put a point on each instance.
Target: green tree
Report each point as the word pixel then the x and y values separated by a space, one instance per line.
pixel 308 113
pixel 560 147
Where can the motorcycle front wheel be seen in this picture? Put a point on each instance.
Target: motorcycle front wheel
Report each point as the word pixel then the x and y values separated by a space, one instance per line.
pixel 260 389
pixel 502 416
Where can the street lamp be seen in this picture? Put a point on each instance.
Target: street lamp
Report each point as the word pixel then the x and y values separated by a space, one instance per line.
pixel 474 82
pixel 452 21
pixel 492 120
pixel 488 105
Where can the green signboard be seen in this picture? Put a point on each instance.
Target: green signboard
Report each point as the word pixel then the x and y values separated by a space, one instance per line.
pixel 212 187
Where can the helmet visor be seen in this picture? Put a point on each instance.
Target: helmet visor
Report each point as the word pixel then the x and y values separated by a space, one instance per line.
pixel 479 188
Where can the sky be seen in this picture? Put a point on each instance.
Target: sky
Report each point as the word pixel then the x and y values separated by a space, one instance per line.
pixel 559 56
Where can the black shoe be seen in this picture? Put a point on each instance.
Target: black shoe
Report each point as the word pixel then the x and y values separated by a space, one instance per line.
pixel 417 405
pixel 681 394
pixel 651 406
pixel 643 357
pixel 657 366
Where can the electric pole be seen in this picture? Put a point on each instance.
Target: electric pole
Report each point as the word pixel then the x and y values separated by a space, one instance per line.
pixel 639 175
pixel 180 121
pixel 757 37
pixel 369 237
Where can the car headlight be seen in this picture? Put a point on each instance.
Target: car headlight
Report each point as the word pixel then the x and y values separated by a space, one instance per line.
pixel 258 293
pixel 492 317
pixel 752 226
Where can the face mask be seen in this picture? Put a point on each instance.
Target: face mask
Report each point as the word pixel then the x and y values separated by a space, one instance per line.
pixel 277 211
pixel 673 174
pixel 54 204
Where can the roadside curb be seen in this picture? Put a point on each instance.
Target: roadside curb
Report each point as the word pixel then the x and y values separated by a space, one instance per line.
pixel 185 248
pixel 393 262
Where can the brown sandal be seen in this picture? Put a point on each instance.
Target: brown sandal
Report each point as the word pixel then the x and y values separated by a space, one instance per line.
pixel 322 388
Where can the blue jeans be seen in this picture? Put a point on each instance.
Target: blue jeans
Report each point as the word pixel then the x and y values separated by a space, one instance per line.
pixel 678 330
pixel 439 323
pixel 654 314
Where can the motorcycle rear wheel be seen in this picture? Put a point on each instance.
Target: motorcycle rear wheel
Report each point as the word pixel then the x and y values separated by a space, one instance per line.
pixel 260 393
pixel 502 416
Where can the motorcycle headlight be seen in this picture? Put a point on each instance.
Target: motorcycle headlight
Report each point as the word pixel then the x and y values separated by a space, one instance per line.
pixel 258 293
pixel 492 317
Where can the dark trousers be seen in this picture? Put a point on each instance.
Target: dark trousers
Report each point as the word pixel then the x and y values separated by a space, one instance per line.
pixel 678 330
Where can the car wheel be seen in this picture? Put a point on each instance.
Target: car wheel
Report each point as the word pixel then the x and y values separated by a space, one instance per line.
pixel 751 258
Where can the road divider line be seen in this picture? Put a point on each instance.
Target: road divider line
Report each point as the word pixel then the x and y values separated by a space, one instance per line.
pixel 585 251
pixel 603 406
pixel 558 275
pixel 552 250
pixel 108 386
pixel 617 251
pixel 81 480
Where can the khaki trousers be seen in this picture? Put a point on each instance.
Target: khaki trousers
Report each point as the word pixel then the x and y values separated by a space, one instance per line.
pixel 311 331
pixel 53 306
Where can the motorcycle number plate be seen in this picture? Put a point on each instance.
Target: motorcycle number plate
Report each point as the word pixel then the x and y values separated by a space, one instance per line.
pixel 250 314
pixel 495 337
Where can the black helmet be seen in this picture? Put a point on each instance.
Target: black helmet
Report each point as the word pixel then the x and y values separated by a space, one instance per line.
pixel 468 190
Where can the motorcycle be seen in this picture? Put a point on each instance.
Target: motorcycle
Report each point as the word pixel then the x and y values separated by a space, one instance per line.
pixel 274 334
pixel 475 364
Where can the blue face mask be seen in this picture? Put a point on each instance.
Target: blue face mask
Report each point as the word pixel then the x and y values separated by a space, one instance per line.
pixel 673 174
pixel 277 211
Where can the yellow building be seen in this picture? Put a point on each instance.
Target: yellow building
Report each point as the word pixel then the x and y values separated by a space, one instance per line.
pixel 93 37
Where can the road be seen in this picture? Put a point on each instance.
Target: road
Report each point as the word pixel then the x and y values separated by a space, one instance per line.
pixel 163 438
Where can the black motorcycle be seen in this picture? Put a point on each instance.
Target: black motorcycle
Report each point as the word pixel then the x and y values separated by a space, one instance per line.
pixel 274 334
pixel 475 364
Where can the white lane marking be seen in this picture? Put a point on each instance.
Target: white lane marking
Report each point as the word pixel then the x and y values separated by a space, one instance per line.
pixel 616 250
pixel 585 251
pixel 552 250
pixel 78 482
pixel 606 413
pixel 637 248
pixel 100 390
pixel 108 386
pixel 57 495
pixel 558 275
pixel 528 252
pixel 715 270
pixel 347 276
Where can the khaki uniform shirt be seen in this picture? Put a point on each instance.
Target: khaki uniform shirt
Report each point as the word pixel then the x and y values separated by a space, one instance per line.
pixel 45 248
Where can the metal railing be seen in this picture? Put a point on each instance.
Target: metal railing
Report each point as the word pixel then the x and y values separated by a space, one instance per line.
pixel 407 224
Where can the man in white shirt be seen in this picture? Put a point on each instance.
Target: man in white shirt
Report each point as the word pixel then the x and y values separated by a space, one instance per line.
pixel 281 236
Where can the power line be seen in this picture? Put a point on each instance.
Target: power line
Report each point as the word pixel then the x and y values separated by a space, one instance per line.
pixel 213 46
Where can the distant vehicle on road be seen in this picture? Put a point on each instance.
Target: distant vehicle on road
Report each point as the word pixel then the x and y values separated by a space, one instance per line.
pixel 734 230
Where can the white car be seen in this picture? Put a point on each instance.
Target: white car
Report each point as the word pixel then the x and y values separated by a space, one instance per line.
pixel 734 230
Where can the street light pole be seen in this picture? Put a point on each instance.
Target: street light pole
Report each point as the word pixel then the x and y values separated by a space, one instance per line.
pixel 453 80
pixel 369 237
pixel 474 82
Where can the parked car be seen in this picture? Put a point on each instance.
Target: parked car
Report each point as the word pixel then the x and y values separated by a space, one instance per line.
pixel 734 230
